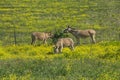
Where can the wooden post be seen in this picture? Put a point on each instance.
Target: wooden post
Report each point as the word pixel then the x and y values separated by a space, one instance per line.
pixel 15 42
pixel 119 36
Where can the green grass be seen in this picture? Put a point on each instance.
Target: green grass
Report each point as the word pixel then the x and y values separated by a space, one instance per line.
pixel 28 16
pixel 88 62
pixel 60 69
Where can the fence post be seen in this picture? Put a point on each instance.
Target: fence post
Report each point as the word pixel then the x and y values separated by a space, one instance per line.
pixel 15 42
pixel 119 36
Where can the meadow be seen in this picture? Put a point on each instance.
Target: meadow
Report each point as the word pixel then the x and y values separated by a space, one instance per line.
pixel 21 61
pixel 99 61
pixel 27 16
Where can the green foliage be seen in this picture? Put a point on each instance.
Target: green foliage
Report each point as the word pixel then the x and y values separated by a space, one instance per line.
pixel 58 34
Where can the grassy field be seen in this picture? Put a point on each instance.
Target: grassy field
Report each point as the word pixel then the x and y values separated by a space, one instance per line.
pixel 100 61
pixel 28 16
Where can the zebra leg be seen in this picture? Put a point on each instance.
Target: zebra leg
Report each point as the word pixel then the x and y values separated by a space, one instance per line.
pixel 93 38
pixel 60 49
pixel 44 41
pixel 33 41
pixel 72 47
pixel 56 50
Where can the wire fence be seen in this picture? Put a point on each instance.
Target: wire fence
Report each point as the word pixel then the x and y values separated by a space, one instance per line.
pixel 16 36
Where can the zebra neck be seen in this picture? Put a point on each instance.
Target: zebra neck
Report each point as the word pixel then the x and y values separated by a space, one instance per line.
pixel 73 32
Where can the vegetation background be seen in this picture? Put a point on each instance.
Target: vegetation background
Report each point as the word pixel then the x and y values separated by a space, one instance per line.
pixel 19 18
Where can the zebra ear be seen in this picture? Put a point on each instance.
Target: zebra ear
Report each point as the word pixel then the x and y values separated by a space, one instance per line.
pixel 51 34
pixel 68 26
